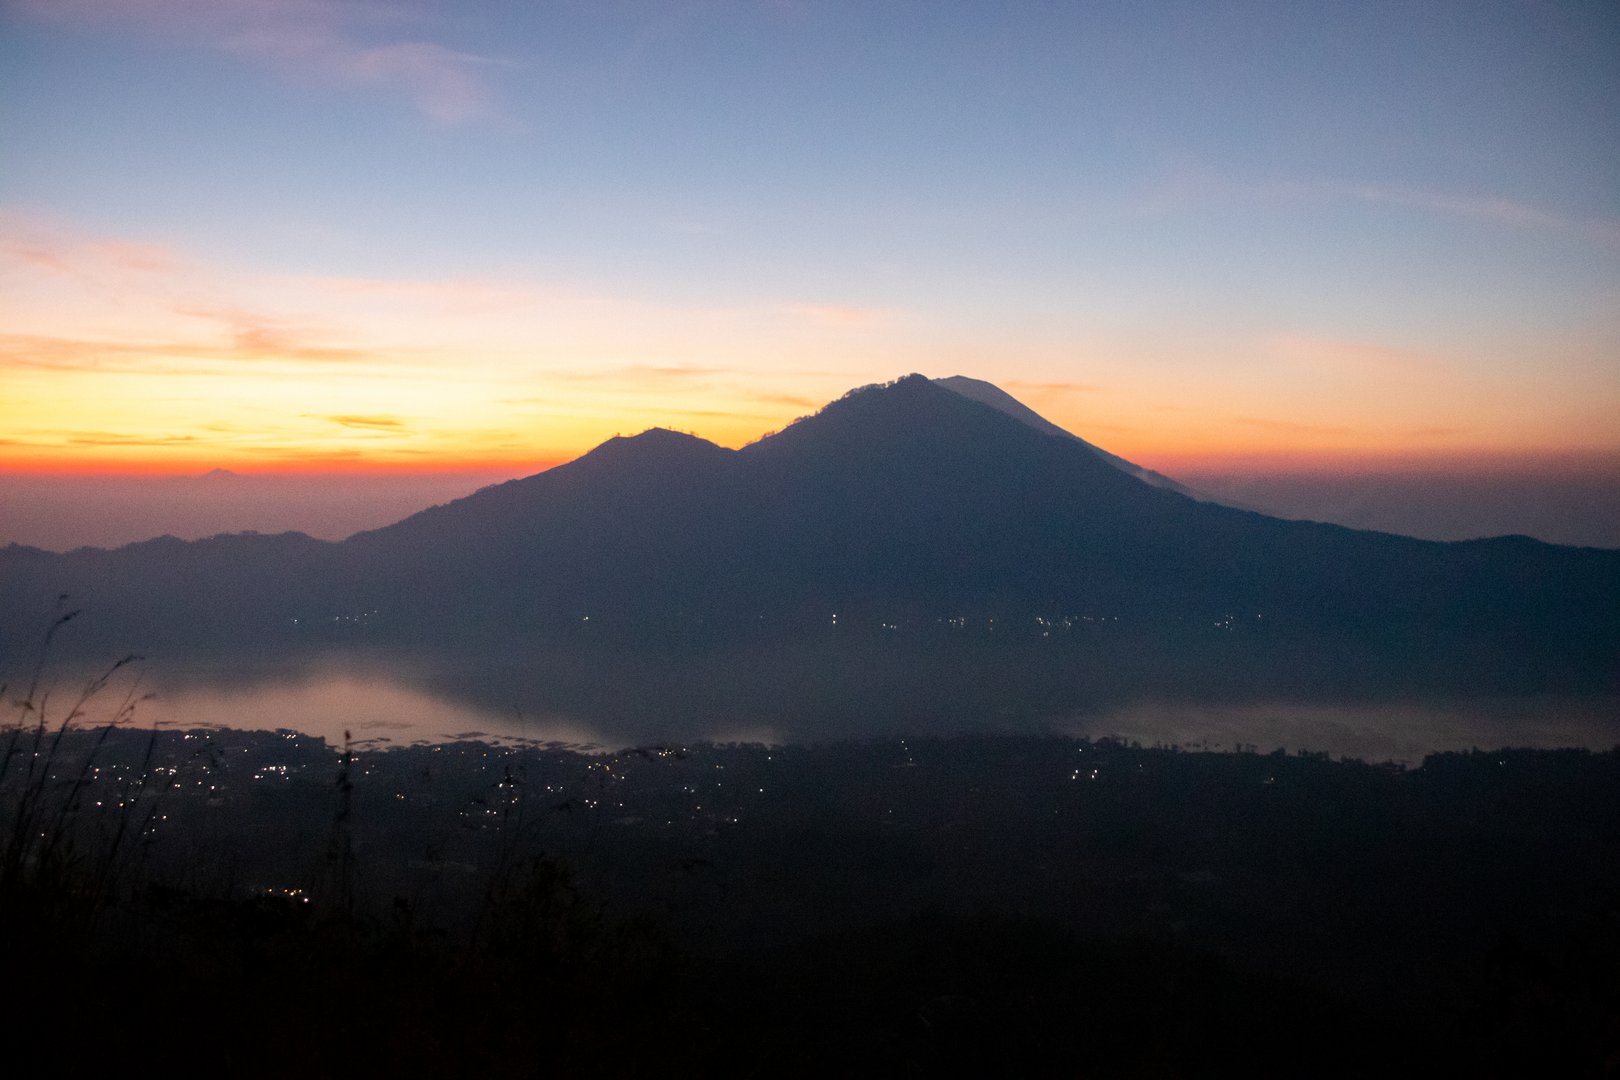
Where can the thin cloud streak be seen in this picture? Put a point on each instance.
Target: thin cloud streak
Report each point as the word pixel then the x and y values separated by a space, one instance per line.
pixel 39 244
pixel 1187 191
pixel 792 400
pixel 447 87
pixel 390 424
pixel 1496 210
pixel 1054 387
pixel 116 439
pixel 836 314
pixel 326 41
pixel 254 335
pixel 1292 427
pixel 656 371
pixel 76 354
pixel 726 414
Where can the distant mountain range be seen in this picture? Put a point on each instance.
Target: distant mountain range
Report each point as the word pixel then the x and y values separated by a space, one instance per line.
pixel 916 507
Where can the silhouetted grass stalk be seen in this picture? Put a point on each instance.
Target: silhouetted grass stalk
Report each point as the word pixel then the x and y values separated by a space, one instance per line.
pixel 39 856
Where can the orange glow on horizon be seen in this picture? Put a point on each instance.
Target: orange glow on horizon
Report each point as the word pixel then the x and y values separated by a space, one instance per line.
pixel 1171 461
pixel 1595 462
pixel 119 469
pixel 130 358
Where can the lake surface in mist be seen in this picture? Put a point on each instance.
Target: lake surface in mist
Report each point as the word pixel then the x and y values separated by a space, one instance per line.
pixel 612 702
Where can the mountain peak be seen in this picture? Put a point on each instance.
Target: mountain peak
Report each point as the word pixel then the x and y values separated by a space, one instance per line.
pixel 657 447
pixel 873 418
pixel 659 437
pixel 653 440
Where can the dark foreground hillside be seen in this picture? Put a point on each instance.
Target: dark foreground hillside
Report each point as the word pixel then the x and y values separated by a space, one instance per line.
pixel 261 903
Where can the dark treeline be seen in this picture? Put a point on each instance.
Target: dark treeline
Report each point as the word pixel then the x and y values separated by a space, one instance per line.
pixel 264 903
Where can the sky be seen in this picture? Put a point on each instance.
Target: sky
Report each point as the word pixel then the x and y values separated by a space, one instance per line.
pixel 373 242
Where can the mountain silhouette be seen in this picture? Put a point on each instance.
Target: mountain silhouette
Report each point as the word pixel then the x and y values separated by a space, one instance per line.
pixel 914 504
pixel 994 396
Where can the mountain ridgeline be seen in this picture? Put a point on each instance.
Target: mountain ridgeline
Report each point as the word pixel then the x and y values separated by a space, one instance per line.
pixel 913 508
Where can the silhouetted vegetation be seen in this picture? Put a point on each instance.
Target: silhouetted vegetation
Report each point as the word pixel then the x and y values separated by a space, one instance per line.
pixel 1019 906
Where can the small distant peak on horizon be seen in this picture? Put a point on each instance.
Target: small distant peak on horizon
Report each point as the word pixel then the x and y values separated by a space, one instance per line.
pixel 220 474
pixel 660 436
pixel 653 443
pixel 660 432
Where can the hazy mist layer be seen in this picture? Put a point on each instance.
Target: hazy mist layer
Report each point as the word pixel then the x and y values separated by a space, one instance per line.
pixel 59 513
pixel 649 698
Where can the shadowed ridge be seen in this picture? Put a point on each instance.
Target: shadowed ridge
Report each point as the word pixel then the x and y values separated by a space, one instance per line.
pixel 898 403
pixel 910 414
pixel 635 525
pixel 639 463
pixel 625 464
pixel 910 496
pixel 232 587
pixel 998 399
pixel 911 443
pixel 994 396
pixel 288 538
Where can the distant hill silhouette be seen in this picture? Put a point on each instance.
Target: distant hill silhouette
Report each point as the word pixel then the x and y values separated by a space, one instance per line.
pixel 907 505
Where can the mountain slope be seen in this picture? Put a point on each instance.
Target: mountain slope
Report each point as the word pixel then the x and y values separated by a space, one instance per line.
pixel 994 396
pixel 909 503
